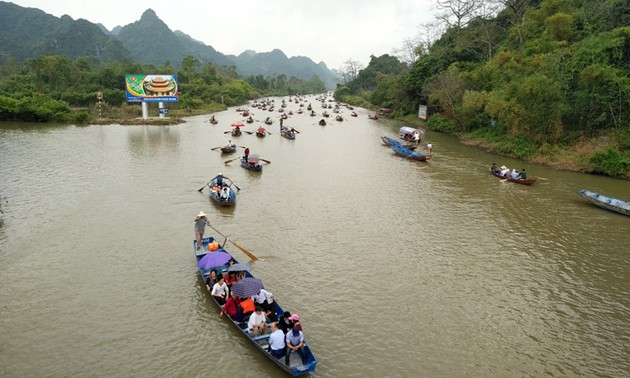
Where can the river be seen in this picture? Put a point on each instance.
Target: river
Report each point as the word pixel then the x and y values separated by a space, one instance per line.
pixel 398 268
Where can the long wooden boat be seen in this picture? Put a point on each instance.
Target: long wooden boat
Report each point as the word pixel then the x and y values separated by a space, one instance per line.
pixel 400 150
pixel 606 202
pixel 215 192
pixel 253 163
pixel 389 141
pixel 518 181
pixel 295 367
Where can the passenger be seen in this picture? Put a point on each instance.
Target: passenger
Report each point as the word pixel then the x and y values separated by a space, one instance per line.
pixel 504 171
pixel 264 300
pixel 245 308
pixel 220 291
pixel 225 194
pixel 295 342
pixel 284 323
pixel 277 346
pixel 230 279
pixel 257 322
pixel 494 168
pixel 514 174
pixel 211 279
pixel 295 321
pixel 200 227
pixel 230 306
pixel 523 175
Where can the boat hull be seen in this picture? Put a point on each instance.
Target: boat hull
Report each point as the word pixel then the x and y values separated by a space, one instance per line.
pixel 407 153
pixel 295 367
pixel 517 181
pixel 606 202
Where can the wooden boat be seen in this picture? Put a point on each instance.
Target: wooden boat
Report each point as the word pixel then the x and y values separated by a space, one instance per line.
pixel 338 118
pixel 606 202
pixel 228 149
pixel 325 114
pixel 510 179
pixel 268 121
pixel 375 117
pixel 213 121
pixel 249 120
pixel 295 367
pixel 215 192
pixel 407 153
pixel 322 122
pixel 389 141
pixel 261 132
pixel 285 132
pixel 353 114
pixel 252 163
pixel 236 131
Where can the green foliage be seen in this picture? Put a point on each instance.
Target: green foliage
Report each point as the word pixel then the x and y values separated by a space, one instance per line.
pixel 610 162
pixel 440 123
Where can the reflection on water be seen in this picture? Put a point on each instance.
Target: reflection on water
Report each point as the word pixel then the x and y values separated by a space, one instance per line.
pixel 458 272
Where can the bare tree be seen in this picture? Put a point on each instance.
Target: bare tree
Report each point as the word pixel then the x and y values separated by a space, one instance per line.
pixel 457 12
pixel 350 70
pixel 410 51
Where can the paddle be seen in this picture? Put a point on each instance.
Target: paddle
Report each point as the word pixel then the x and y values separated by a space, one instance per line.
pixel 225 132
pixel 215 148
pixel 249 132
pixel 542 178
pixel 236 245
pixel 265 160
pixel 201 189
pixel 231 160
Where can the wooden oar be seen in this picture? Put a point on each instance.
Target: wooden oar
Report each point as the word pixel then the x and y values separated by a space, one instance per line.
pixel 542 178
pixel 225 132
pixel 231 160
pixel 265 160
pixel 249 132
pixel 236 245
pixel 215 148
pixel 201 189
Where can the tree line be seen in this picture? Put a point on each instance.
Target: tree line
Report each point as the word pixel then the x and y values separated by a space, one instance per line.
pixel 56 88
pixel 532 77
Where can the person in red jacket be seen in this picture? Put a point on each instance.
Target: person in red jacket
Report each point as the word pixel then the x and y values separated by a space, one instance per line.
pixel 230 306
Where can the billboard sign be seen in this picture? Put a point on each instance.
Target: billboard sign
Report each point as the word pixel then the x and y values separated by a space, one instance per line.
pixel 422 112
pixel 151 88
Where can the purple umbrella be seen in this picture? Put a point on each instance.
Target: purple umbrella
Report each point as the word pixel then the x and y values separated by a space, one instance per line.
pixel 247 287
pixel 213 259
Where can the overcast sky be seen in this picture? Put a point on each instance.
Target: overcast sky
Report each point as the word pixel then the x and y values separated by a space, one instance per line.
pixel 332 31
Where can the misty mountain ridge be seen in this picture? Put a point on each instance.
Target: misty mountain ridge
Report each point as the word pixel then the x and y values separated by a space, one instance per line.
pixel 30 32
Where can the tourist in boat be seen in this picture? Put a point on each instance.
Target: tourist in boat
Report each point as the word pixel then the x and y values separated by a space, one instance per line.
pixel 416 137
pixel 230 306
pixel 494 168
pixel 295 342
pixel 523 174
pixel 220 291
pixel 514 174
pixel 276 341
pixel 264 300
pixel 295 321
pixel 225 194
pixel 201 221
pixel 257 323
pixel 211 279
pixel 230 279
pixel 505 171
pixel 284 323
pixel 212 120
pixel 236 131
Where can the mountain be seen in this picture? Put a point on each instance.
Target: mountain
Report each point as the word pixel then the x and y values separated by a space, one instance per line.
pixel 29 32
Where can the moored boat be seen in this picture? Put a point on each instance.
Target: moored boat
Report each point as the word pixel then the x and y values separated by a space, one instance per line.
pixel 529 181
pixel 400 150
pixel 215 192
pixel 606 202
pixel 295 366
pixel 389 141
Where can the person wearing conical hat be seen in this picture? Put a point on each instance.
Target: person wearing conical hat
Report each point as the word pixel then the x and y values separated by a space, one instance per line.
pixel 200 227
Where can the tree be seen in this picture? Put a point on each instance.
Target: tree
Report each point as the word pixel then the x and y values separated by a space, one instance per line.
pixel 350 70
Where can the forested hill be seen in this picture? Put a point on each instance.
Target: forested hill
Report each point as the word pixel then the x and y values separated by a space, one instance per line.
pixel 30 33
pixel 545 80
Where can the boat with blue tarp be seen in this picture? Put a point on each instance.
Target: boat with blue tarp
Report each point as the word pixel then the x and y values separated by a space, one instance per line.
pixel 400 150
pixel 295 366
pixel 606 202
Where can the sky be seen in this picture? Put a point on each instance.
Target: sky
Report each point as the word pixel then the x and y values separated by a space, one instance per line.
pixel 332 31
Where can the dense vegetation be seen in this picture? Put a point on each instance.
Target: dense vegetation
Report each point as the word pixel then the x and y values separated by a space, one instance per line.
pixel 55 88
pixel 542 80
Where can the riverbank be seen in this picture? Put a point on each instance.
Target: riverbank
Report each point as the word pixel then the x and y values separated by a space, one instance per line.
pixel 599 156
pixel 151 121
